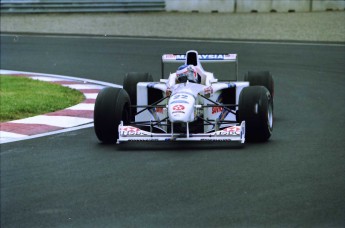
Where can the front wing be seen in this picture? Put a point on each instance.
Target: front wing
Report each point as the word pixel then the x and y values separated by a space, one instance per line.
pixel 235 133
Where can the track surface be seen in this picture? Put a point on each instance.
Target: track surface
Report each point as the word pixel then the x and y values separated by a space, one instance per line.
pixel 70 180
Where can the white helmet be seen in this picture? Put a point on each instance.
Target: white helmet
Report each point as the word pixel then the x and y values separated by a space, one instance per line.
pixel 187 73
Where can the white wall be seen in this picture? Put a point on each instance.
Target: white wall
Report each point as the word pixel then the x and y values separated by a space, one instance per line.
pixel 200 5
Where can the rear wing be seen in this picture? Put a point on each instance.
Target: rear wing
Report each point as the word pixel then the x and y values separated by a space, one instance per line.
pixel 171 58
pixel 203 58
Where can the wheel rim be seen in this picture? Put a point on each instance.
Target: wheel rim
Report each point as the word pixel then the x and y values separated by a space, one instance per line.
pixel 270 116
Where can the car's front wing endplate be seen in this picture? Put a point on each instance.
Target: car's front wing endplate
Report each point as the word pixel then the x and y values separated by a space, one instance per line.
pixel 235 133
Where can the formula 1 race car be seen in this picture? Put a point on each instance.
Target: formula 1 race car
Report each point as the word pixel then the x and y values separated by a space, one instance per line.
pixel 180 109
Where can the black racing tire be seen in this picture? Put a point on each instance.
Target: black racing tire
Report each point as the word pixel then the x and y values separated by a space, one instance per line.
pixel 260 78
pixel 111 107
pixel 130 82
pixel 256 109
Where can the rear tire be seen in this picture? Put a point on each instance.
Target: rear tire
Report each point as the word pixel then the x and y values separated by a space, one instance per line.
pixel 112 106
pixel 260 78
pixel 256 108
pixel 130 82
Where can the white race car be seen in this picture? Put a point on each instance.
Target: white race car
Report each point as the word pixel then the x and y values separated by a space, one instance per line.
pixel 176 109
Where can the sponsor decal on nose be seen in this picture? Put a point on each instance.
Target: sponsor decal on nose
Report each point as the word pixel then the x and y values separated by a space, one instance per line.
pixel 178 107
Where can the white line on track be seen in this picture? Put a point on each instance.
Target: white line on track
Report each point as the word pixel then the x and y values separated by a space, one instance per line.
pixel 297 43
pixel 67 78
pixel 82 106
pixel 82 86
pixel 49 133
pixel 57 121
pixel 198 40
pixel 90 95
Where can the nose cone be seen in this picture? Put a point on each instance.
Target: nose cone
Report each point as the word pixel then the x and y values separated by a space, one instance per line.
pixel 181 108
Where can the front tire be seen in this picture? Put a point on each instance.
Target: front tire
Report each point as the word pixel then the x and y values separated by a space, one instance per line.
pixel 112 106
pixel 256 108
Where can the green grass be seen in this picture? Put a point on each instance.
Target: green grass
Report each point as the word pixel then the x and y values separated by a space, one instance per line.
pixel 22 97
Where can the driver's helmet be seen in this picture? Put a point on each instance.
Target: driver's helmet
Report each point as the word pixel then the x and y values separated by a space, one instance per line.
pixel 187 73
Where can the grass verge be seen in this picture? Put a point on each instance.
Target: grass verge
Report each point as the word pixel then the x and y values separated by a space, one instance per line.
pixel 22 97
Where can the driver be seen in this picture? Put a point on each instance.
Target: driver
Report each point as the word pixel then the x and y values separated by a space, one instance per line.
pixel 187 73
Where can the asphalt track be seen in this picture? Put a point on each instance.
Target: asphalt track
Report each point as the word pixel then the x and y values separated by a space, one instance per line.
pixel 294 180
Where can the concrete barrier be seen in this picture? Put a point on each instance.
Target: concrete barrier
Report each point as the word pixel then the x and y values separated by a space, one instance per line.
pixel 291 6
pixel 200 5
pixel 229 6
pixel 324 5
pixel 247 6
